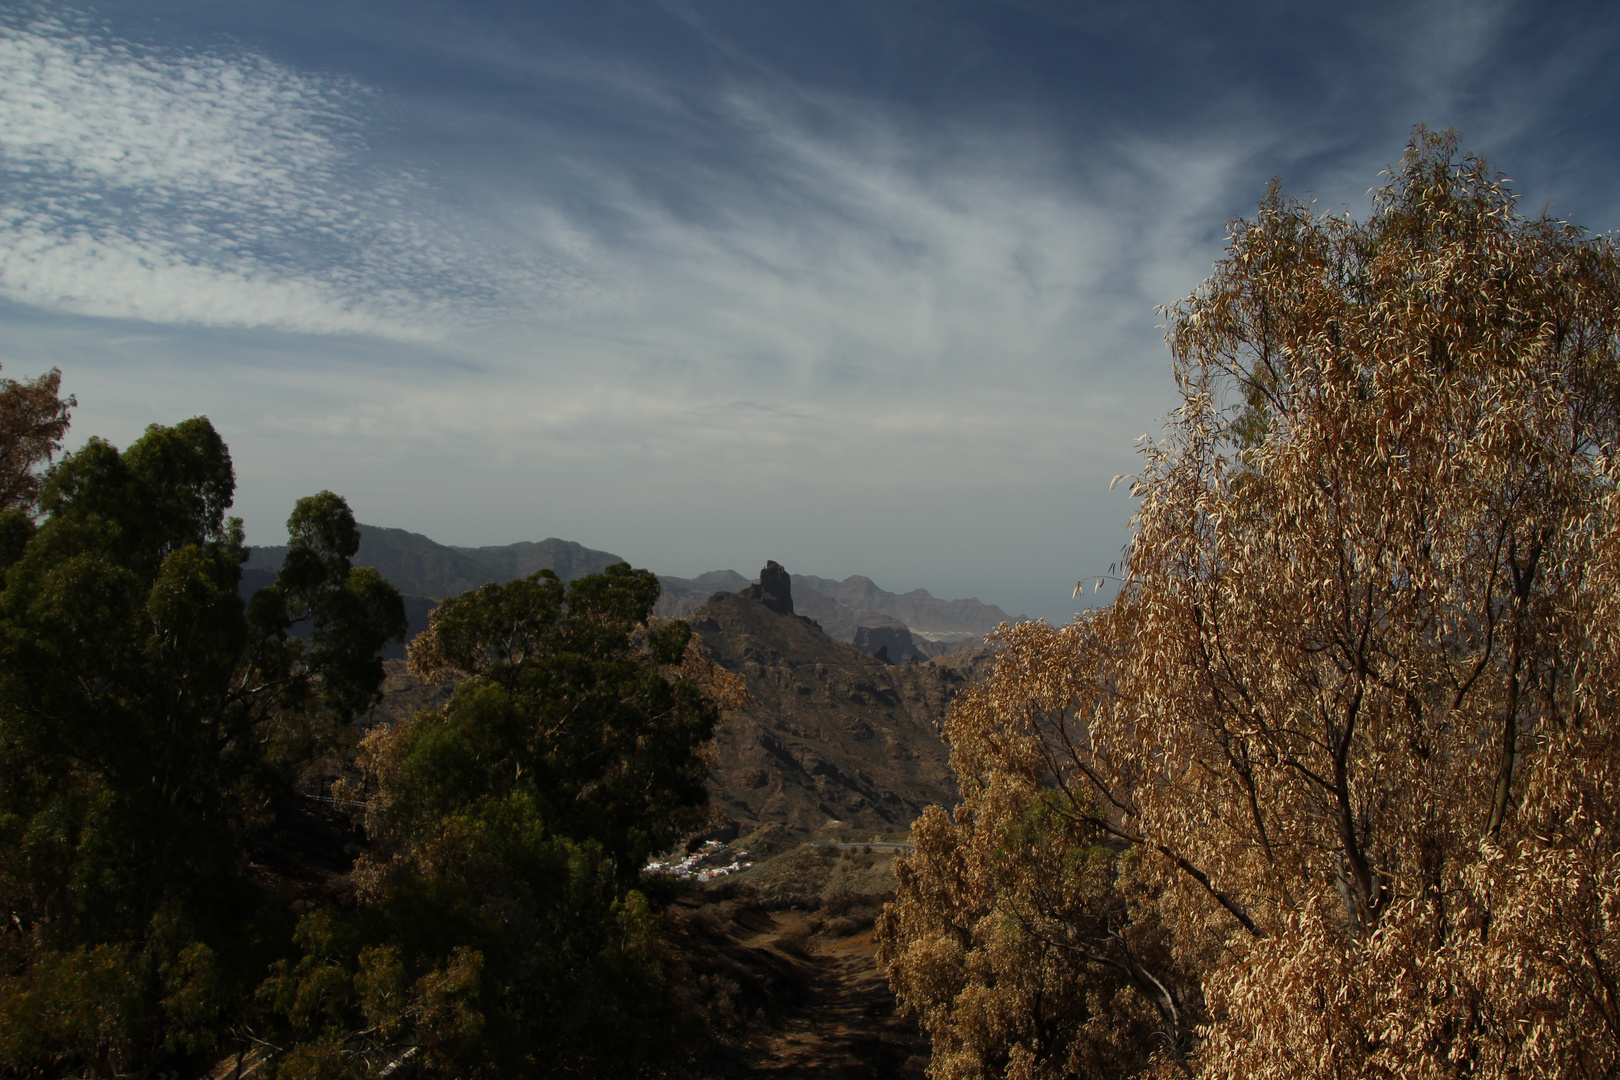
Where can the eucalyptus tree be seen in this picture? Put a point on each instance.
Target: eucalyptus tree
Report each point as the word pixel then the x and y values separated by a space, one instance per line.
pixel 147 719
pixel 1348 742
pixel 33 421
pixel 504 928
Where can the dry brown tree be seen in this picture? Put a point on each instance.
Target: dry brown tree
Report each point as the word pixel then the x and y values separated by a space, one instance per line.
pixel 33 421
pixel 1350 731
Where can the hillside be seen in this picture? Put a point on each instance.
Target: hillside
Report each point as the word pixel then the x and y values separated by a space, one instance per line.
pixel 837 736
pixel 836 740
pixel 839 751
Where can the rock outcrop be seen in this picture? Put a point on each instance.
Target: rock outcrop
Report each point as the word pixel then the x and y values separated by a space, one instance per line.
pixel 775 588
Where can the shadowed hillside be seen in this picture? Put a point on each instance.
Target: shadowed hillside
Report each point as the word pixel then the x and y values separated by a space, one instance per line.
pixel 425 571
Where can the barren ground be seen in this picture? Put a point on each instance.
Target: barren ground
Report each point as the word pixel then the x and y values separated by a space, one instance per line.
pixel 818 1006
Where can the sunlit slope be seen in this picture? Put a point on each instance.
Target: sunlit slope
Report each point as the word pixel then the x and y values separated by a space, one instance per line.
pixel 836 736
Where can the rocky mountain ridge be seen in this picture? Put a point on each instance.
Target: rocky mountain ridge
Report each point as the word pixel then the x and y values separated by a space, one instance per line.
pixel 836 738
pixel 914 624
pixel 919 610
pixel 419 566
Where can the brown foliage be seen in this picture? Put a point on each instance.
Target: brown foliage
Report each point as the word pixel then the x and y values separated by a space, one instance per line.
pixel 1352 718
pixel 33 421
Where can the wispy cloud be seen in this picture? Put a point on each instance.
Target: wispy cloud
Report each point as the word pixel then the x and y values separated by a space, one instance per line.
pixel 848 303
pixel 222 190
pixel 871 270
pixel 670 274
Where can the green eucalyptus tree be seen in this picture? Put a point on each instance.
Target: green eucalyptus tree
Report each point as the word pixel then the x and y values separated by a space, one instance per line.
pixel 503 930
pixel 146 715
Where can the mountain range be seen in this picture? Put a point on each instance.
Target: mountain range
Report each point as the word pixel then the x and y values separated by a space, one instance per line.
pixel 850 682
pixel 418 566
pixel 914 624
pixel 835 739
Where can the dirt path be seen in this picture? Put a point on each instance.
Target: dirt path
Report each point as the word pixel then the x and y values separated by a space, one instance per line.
pixel 843 1026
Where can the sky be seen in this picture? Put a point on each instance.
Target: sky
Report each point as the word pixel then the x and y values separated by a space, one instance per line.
pixel 865 288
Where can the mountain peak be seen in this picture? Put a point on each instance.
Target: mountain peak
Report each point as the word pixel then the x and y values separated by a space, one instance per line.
pixel 775 588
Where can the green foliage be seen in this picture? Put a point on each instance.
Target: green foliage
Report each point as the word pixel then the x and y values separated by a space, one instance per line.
pixel 352 1014
pixel 86 1003
pixel 144 718
pixel 149 719
pixel 351 613
pixel 565 710
pixel 502 933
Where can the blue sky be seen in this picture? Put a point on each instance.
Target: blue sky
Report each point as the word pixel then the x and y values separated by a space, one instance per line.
pixel 860 287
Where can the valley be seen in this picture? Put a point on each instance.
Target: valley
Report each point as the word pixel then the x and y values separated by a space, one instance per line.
pixel 813 787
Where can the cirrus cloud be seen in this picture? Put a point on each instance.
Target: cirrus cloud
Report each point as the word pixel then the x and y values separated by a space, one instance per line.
pixel 226 190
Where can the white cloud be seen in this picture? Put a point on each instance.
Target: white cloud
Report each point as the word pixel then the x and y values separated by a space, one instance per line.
pixel 103 273
pixel 94 108
pixel 821 342
pixel 225 190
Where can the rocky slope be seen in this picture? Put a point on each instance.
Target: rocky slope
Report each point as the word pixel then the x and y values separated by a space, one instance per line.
pixel 837 739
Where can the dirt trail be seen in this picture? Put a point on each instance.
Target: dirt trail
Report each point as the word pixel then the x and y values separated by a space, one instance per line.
pixel 843 1026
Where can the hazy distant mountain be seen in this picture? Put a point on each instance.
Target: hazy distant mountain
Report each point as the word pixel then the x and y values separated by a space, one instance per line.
pixel 683 595
pixel 919 610
pixel 845 607
pixel 426 572
pixel 840 620
pixel 418 566
pixel 511 561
